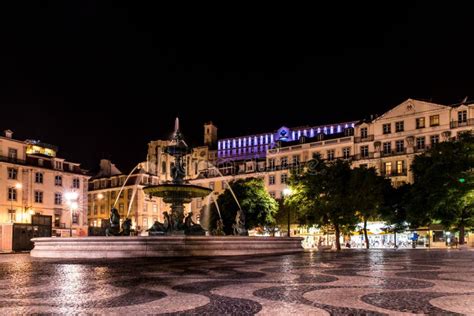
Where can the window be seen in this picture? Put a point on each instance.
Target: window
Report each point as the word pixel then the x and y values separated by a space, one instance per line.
pixel 363 132
pixel 12 153
pixel 400 146
pixel 296 159
pixel 399 126
pixel 75 218
pixel 364 151
pixel 420 142
pixel 129 194
pixel 284 161
pixel 387 128
pixel 434 120
pixel 346 152
pixel 388 168
pixel 316 155
pixel 102 209
pixel 272 194
pixel 11 215
pixel 12 173
pixel 400 164
pixel 330 154
pixel 58 198
pixel 38 197
pixel 155 208
pixel 212 185
pixel 163 167
pixel 145 207
pixel 420 122
pixel 271 163
pixel 76 183
pixel 95 209
pixel 40 162
pixel 462 116
pixel 250 168
pixel 58 180
pixel 434 139
pixel 11 194
pixel 58 165
pixel 103 183
pixel 38 177
pixel 199 203
pixel 114 182
pixel 121 208
pixel 387 148
pixel 113 194
pixel 271 180
pixel 145 222
pixel 284 178
pixel 121 194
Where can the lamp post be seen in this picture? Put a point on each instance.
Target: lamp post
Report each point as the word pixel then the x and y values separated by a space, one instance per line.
pixel 287 192
pixel 71 201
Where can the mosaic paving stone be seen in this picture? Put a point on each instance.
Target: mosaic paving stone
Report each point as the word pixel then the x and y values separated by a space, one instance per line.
pixel 352 282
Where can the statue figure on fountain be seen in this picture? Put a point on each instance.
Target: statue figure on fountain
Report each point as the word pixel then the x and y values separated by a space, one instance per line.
pixel 158 228
pixel 114 228
pixel 126 227
pixel 239 225
pixel 219 231
pixel 191 228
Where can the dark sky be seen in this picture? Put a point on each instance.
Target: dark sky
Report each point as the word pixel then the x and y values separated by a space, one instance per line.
pixel 102 79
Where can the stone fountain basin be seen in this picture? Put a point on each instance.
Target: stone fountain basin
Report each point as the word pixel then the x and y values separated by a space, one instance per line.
pixel 162 246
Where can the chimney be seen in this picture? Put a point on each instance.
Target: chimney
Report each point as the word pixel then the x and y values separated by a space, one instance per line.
pixel 8 133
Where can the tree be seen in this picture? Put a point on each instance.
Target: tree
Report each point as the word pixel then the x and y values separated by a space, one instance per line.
pixel 284 214
pixel 259 207
pixel 442 191
pixel 393 210
pixel 320 192
pixel 366 195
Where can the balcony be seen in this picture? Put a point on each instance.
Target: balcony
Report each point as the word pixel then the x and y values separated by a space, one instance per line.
pixel 360 156
pixel 456 124
pixel 358 139
pixel 394 152
pixel 395 173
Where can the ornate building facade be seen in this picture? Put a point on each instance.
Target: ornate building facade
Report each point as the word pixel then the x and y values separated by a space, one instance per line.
pixel 34 180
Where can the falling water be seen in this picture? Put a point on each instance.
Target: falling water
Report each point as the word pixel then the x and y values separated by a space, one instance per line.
pixel 228 186
pixel 217 205
pixel 124 183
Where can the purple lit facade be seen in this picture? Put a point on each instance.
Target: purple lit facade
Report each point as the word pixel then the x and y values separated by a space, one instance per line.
pixel 256 146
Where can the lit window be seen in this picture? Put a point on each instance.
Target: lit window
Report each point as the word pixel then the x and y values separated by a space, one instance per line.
pixel 434 120
pixel 420 122
pixel 121 208
pixel 155 208
pixel 400 164
pixel 388 168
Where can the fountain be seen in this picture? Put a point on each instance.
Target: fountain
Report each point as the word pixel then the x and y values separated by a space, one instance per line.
pixel 178 236
pixel 178 192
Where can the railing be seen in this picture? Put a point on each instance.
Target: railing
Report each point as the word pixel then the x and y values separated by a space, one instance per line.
pixel 365 156
pixel 393 152
pixel 455 124
pixel 394 173
pixel 359 139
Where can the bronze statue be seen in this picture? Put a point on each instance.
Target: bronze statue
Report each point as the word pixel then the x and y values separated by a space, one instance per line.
pixel 239 225
pixel 114 228
pixel 191 228
pixel 126 227
pixel 219 231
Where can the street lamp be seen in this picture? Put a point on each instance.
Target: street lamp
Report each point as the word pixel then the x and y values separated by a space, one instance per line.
pixel 71 201
pixel 287 192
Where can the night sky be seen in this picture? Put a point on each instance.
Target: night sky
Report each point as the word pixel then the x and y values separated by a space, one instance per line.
pixel 101 80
